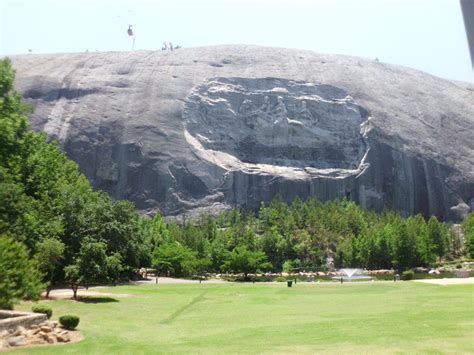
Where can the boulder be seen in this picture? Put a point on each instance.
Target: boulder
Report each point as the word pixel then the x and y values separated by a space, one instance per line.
pixel 4 333
pixel 17 341
pixel 35 330
pixel 51 323
pixel 46 329
pixel 62 338
pixel 19 331
pixel 42 335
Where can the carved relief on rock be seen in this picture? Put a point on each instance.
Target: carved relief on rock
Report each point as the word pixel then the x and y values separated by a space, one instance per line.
pixel 277 122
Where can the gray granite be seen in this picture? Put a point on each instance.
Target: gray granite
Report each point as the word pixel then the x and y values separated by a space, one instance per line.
pixel 203 129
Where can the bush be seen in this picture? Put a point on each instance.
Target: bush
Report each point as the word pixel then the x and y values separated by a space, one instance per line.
pixel 280 279
pixel 69 321
pixel 407 275
pixel 42 308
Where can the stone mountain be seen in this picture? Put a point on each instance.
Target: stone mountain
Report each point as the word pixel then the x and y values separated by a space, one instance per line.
pixel 203 129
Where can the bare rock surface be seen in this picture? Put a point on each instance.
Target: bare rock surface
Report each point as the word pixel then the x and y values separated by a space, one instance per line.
pixel 203 129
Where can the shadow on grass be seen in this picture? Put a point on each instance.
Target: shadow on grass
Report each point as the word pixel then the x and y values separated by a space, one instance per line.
pixel 96 299
pixel 183 309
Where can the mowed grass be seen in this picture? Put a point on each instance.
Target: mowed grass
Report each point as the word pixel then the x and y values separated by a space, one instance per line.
pixel 379 317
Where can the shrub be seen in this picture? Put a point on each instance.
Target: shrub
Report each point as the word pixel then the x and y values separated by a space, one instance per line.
pixel 69 321
pixel 458 266
pixel 407 275
pixel 42 308
pixel 280 279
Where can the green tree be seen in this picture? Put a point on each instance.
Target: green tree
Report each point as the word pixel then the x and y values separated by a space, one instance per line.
pixel 382 256
pixel 13 121
pixel 287 266
pixel 175 259
pixel 468 227
pixel 92 262
pixel 437 234
pixel 154 231
pixel 404 246
pixel 114 267
pixel 218 249
pixel 49 253
pixel 275 247
pixel 242 260
pixel 20 278
pixel 73 276
pixel 90 266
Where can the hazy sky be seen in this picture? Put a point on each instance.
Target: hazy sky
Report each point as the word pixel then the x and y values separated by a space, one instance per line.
pixel 423 34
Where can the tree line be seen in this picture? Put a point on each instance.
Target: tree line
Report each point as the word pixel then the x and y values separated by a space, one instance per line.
pixel 54 228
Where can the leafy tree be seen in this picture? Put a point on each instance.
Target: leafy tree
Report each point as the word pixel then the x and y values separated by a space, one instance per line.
pixel 114 267
pixel 242 260
pixel 468 226
pixel 382 256
pixel 404 246
pixel 16 208
pixel 274 246
pixel 175 259
pixel 202 265
pixel 437 234
pixel 90 266
pixel 154 231
pixel 92 262
pixel 344 253
pixel 20 279
pixel 287 266
pixel 13 121
pixel 218 249
pixel 49 253
pixel 72 275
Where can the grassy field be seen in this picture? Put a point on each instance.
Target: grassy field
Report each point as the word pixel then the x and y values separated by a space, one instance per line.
pixel 380 317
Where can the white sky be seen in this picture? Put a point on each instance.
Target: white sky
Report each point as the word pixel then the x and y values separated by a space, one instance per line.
pixel 423 34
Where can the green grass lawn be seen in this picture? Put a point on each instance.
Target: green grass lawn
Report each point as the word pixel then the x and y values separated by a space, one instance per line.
pixel 380 317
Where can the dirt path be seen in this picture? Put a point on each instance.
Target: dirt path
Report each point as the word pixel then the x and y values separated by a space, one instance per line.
pixel 66 293
pixel 95 291
pixel 170 280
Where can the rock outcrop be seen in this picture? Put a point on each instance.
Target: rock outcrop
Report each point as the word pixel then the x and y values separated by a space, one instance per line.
pixel 44 333
pixel 203 129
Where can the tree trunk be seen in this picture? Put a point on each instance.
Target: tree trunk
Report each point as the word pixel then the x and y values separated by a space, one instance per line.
pixel 74 289
pixel 47 292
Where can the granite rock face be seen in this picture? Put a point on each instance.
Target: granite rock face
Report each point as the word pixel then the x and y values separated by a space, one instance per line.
pixel 203 129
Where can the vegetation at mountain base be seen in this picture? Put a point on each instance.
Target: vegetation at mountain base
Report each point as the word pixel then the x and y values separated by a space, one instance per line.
pixel 55 228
